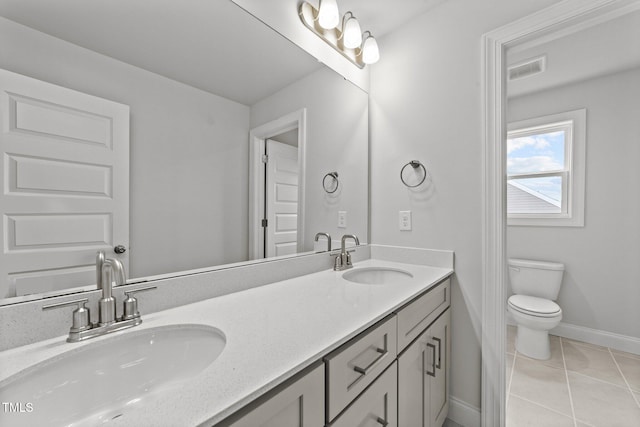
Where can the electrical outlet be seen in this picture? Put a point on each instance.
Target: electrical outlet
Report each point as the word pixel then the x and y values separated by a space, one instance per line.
pixel 405 220
pixel 342 219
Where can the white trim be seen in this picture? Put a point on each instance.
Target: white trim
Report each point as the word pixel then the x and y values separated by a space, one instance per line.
pixel 462 413
pixel 561 15
pixel 594 336
pixel 612 340
pixel 257 137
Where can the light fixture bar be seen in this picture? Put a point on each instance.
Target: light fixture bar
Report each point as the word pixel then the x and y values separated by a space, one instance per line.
pixel 333 37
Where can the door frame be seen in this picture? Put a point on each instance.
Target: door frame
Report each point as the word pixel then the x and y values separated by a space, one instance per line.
pixel 559 19
pixel 257 137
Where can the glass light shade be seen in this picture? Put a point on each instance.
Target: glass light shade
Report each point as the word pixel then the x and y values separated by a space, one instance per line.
pixel 352 33
pixel 328 14
pixel 370 52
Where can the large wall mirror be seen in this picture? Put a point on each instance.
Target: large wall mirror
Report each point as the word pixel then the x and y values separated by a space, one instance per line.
pixel 227 123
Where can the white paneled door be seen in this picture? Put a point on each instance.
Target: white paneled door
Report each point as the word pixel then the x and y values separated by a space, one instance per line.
pixel 65 185
pixel 281 237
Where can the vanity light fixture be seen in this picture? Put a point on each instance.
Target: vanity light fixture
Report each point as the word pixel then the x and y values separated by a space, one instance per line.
pixel 328 14
pixel 351 33
pixel 370 52
pixel 359 48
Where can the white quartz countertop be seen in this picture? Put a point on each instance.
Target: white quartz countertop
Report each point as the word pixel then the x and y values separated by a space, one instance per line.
pixel 272 332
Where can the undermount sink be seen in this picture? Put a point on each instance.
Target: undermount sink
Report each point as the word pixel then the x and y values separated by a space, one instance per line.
pixel 377 276
pixel 99 382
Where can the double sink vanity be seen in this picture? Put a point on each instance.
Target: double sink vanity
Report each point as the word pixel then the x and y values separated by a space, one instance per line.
pixel 365 346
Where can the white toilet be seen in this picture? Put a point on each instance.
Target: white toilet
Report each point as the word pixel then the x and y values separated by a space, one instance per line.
pixel 535 285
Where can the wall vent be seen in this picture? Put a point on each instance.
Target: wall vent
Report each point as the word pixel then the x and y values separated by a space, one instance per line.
pixel 527 68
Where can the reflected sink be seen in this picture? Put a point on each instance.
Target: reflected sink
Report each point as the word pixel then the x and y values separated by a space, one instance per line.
pixel 99 382
pixel 377 276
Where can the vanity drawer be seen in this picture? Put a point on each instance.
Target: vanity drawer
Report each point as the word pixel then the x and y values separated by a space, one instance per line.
pixel 417 315
pixel 352 367
pixel 378 405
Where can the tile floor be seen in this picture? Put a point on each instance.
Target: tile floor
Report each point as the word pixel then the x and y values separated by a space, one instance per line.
pixel 582 385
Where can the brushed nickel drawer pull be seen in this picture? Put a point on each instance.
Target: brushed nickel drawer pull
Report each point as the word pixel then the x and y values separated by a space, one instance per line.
pixel 433 360
pixel 439 341
pixel 364 371
pixel 382 422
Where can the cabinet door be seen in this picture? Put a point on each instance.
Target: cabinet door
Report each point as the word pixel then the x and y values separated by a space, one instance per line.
pixel 413 383
pixel 440 336
pixel 423 377
pixel 377 406
pixel 301 404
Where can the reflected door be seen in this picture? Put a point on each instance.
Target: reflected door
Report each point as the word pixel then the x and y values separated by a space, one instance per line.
pixel 281 232
pixel 65 175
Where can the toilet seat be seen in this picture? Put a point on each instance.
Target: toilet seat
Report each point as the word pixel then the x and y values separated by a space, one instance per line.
pixel 534 306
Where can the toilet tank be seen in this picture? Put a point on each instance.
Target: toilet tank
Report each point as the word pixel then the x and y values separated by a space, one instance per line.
pixel 535 278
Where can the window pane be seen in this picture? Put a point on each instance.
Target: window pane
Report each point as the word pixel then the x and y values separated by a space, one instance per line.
pixel 540 195
pixel 543 152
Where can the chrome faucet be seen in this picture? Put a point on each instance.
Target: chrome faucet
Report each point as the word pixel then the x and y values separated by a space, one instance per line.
pixel 343 260
pixel 81 329
pixel 328 236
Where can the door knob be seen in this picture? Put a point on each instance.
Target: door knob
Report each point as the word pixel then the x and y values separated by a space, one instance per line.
pixel 120 249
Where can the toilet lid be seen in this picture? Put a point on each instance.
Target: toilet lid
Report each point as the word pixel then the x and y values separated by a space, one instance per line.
pixel 534 306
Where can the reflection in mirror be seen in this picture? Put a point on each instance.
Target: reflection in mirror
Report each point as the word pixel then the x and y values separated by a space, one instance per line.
pixel 154 128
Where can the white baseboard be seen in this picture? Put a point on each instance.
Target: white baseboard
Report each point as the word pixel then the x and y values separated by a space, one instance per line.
pixel 462 413
pixel 593 336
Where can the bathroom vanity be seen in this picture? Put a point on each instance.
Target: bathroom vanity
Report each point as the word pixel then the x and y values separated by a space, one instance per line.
pixel 394 373
pixel 328 348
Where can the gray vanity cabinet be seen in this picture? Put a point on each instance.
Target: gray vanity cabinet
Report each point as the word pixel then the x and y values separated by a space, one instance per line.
pixel 299 403
pixel 423 377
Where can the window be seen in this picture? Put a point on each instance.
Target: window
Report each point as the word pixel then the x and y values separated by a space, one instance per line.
pixel 545 170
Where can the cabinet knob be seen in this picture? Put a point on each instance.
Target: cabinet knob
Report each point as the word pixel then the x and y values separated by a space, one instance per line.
pixel 120 249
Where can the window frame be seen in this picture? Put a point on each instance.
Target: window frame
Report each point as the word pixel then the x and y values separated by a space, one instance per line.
pixel 573 174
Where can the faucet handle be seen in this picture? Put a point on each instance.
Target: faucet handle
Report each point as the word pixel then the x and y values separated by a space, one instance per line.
pixel 81 315
pixel 130 304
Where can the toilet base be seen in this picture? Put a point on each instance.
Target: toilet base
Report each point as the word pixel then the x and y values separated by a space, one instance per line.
pixel 533 343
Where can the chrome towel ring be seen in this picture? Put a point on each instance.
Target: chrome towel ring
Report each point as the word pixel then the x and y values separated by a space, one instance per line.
pixel 331 186
pixel 415 164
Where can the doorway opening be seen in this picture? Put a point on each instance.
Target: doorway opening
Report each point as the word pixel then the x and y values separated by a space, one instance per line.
pixel 276 181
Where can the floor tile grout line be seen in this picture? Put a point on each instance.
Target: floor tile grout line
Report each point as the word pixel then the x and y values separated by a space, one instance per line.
pixel 513 368
pixel 533 402
pixel 633 396
pixel 566 376
pixel 600 380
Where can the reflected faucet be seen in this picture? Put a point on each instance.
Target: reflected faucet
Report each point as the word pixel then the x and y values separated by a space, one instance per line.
pixel 328 236
pixel 343 261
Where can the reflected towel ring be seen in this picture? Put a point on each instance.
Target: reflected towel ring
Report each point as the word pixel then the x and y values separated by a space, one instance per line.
pixel 415 164
pixel 331 188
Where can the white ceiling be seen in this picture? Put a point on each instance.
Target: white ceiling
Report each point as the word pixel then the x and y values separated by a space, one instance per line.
pixel 209 44
pixel 605 48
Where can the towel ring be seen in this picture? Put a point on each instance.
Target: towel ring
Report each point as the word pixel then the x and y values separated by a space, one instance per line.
pixel 328 188
pixel 415 164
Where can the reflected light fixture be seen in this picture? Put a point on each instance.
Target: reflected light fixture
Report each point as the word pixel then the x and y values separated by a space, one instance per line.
pixel 359 48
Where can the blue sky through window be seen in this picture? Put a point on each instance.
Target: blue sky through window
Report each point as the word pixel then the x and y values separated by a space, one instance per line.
pixel 542 152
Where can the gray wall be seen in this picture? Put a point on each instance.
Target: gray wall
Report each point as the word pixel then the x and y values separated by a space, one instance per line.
pixel 184 142
pixel 600 287
pixel 426 105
